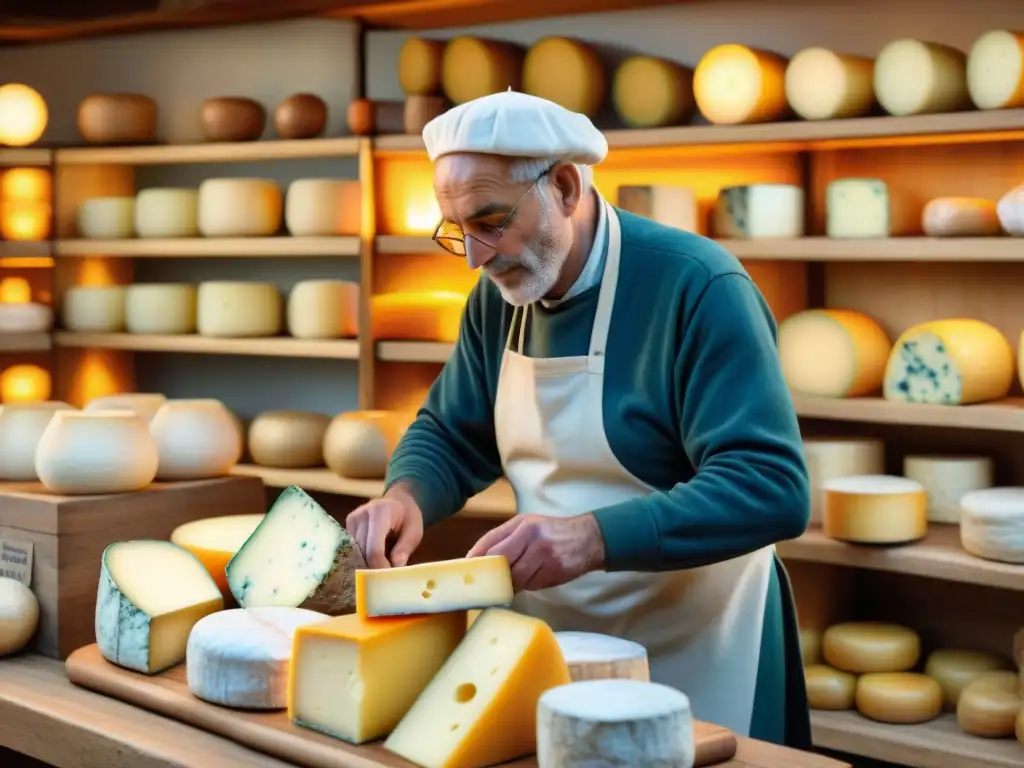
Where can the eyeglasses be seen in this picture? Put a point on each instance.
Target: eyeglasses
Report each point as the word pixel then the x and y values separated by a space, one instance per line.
pixel 452 237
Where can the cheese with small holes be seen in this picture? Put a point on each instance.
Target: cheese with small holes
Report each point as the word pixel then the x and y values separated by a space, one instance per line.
pixel 949 362
pixel 567 72
pixel 995 70
pixel 899 698
pixel 914 77
pixel 288 439
pixel 989 705
pixel 447 585
pixel 810 646
pixel 298 557
pixel 946 480
pixel 324 309
pixel 322 207
pixel 481 707
pixel 1010 210
pixel 420 66
pixel 954 669
pixel 167 212
pixel 234 310
pixel 960 217
pixel 648 92
pixel 239 207
pixel 359 444
pixel 992 524
pixel 868 208
pixel 418 315
pixel 824 85
pixel 592 656
pixel 735 84
pixel 355 678
pixel 874 509
pixel 614 723
pixel 828 459
pixel 472 67
pixel 755 211
pixel 89 308
pixel 215 540
pixel 829 688
pixel 160 308
pixel 150 595
pixel 240 657
pixel 107 218
pixel 866 646
pixel 671 206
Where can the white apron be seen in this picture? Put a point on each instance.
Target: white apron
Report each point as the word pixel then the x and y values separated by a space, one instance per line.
pixel 701 627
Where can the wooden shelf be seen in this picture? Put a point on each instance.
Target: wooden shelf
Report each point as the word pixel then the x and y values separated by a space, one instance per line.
pixel 405 244
pixel 1003 416
pixel 227 247
pixel 214 152
pixel 15 343
pixel 414 351
pixel 27 156
pixel 25 249
pixel 336 349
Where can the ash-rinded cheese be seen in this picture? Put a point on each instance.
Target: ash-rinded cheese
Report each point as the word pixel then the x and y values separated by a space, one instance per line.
pixel 946 480
pixel 100 309
pixel 324 309
pixel 298 557
pixel 592 656
pixel 151 594
pixel 829 688
pixel 831 458
pixel 992 524
pixel 755 211
pixel 671 206
pixel 649 92
pixel 954 670
pixel 867 208
pixel 989 705
pixel 240 657
pixel 567 72
pixel 231 310
pixel 1010 210
pixel 614 724
pixel 995 70
pixel 736 84
pixel 949 362
pixel 875 509
pixel 899 698
pixel 960 217
pixel 239 207
pixel 473 67
pixel 866 646
pixel 323 207
pixel 913 77
pixel 108 218
pixel 823 85
pixel 167 212
pixel 160 308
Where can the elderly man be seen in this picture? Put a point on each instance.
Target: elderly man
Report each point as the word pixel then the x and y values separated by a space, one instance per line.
pixel 624 377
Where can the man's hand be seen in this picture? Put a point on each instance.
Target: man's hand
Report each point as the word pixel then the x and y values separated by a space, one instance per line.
pixel 545 551
pixel 371 525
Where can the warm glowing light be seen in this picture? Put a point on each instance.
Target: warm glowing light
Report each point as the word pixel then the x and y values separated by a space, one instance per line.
pixel 26 262
pixel 417 315
pixel 15 290
pixel 25 384
pixel 94 378
pixel 95 273
pixel 422 216
pixel 23 115
pixel 21 220
pixel 405 197
pixel 26 185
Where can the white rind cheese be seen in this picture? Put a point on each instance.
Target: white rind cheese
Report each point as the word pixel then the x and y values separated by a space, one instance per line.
pixel 99 309
pixel 960 217
pixel 995 70
pixel 1010 210
pixel 756 211
pixel 913 77
pixel 239 207
pixel 875 509
pixel 28 317
pixel 322 207
pixel 107 218
pixel 235 310
pixel 866 208
pixel 823 85
pixel 160 308
pixel 145 404
pixel 592 656
pixel 946 480
pixel 324 309
pixel 167 212
pixel 992 524
pixel 829 459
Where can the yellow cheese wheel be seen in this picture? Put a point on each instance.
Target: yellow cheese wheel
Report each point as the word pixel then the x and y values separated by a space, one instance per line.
pixel 472 67
pixel 900 698
pixel 417 316
pixel 823 85
pixel 954 669
pixel 810 646
pixel 874 509
pixel 288 439
pixel 960 217
pixel 865 646
pixel 995 70
pixel 829 688
pixel 359 444
pixel 567 72
pixel 913 77
pixel 649 92
pixel 419 66
pixel 215 540
pixel 735 84
pixel 989 705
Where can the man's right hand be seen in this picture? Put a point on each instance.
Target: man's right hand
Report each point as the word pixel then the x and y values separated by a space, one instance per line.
pixel 373 524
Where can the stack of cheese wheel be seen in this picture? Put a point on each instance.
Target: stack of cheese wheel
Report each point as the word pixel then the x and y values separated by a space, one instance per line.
pixel 420 76
pixel 96 309
pixel 567 72
pixel 992 524
pixel 975 686
pixel 875 509
pixel 828 459
pixel 418 316
pixel 735 84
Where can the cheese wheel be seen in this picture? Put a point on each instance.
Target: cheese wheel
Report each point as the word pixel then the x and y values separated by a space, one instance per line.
pixel 167 212
pixel 99 309
pixel 418 315
pixel 992 524
pixel 472 68
pixel 810 646
pixel 419 66
pixel 757 211
pixel 359 444
pixel 21 427
pixel 324 309
pixel 288 439
pixel 995 70
pixel 829 688
pixel 27 317
pixel 823 85
pixel 420 110
pixel 109 218
pixel 614 722
pixel 567 72
pixel 735 84
pixel 215 540
pixel 241 657
pixel 197 439
pixel 19 616
pixel 913 77
pixel 593 656
pixel 949 362
pixel 946 480
pixel 323 207
pixel 833 353
pixel 160 308
pixel 954 670
pixel 235 310
pixel 1010 210
pixel 989 705
pixel 960 217
pixel 874 509
pixel 649 92
pixel 865 646
pixel 145 404
pixel 239 207
pixel 830 458
pixel 900 698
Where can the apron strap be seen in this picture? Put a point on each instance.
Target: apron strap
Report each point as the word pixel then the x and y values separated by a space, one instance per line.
pixel 606 298
pixel 511 328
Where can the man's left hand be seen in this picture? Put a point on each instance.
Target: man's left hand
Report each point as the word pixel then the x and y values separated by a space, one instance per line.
pixel 545 551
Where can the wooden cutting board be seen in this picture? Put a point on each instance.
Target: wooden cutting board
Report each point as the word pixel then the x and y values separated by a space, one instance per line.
pixel 271 732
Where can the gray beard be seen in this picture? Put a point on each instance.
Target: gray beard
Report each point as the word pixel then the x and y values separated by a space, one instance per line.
pixel 541 263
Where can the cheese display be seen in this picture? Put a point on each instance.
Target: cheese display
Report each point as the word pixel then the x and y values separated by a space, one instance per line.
pixel 418 315
pixel 472 67
pixel 1010 210
pixel 109 218
pixel 355 678
pixel 671 206
pixel 867 208
pixel 592 656
pixel 995 70
pixel 215 540
pixel 829 459
pixel 420 110
pixel 481 707
pixel 323 207
pixel 21 427
pixel 874 509
pixel 566 71
pixel 992 524
pixel 239 207
pixel 160 308
pixel 899 698
pixel 913 77
pixel 864 646
pixel 236 310
pixel 150 596
pixel 955 669
pixel 241 657
pixel 949 362
pixel 145 404
pixel 756 211
pixel 989 705
pixel 435 587
pixel 420 66
pixel 824 85
pixel 960 217
pixel 810 646
pixel 614 723
pixel 736 84
pixel 946 480
pixel 299 557
pixel 25 317
pixel 829 688
pixel 99 309
pixel 323 309
pixel 167 212
pixel 196 439
pixel 288 439
pixel 648 92
pixel 359 444
pixel 19 616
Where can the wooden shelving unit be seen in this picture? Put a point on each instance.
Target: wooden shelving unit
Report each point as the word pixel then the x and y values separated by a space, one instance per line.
pixel 334 349
pixel 227 247
pixel 216 152
pixel 24 157
pixel 25 249
pixel 15 343
pixel 414 351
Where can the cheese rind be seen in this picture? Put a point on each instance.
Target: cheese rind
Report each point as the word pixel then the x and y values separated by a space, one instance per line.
pixel 238 309
pixel 215 540
pixel 867 208
pixel 899 698
pixel 992 524
pixel 567 72
pixel 865 646
pixel 995 70
pixel 99 309
pixel 875 509
pixel 830 458
pixel 671 206
pixel 955 669
pixel 649 92
pixel 734 84
pixel 913 77
pixel 592 656
pixel 324 309
pixel 829 688
pixel 239 207
pixel 989 705
pixel 960 217
pixel 167 212
pixel 288 439
pixel 472 68
pixel 756 211
pixel 824 85
pixel 160 308
pixel 946 480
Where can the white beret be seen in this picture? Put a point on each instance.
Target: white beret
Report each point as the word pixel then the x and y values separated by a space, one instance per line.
pixel 515 125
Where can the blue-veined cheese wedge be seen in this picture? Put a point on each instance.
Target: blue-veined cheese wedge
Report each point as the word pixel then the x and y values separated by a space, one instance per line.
pixel 755 211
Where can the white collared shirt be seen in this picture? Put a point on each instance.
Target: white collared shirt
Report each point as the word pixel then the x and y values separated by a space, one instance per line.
pixel 594 268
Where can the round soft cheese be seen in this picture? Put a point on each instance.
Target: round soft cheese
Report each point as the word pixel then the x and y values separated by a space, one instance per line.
pixel 592 656
pixel 875 509
pixel 946 480
pixel 288 439
pixel 322 207
pixel 913 77
pixel 960 217
pixel 21 427
pixel 995 70
pixel 99 309
pixel 810 646
pixel 992 524
pixel 823 85
pixel 359 444
pixel 649 92
pixel 235 310
pixel 567 72
pixel 239 207
pixel 19 615
pixel 324 309
pixel 167 212
pixel 197 439
pixel 954 669
pixel 864 646
pixel 160 308
pixel 829 688
pixel 735 84
pixel 989 705
pixel 215 540
pixel 830 458
pixel 145 404
pixel 27 317
pixel 109 218
pixel 900 698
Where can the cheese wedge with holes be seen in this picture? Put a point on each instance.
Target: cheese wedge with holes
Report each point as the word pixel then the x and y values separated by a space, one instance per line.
pixel 215 540
pixel 829 688
pixel 867 646
pixel 481 707
pixel 989 705
pixel 899 698
pixel 946 480
pixel 592 656
pixel 756 211
pixel 567 72
pixel 955 669
pixel 810 646
pixel 472 67
pixel 830 458
pixel 735 84
pixel 150 595
pixel 448 585
pixel 868 208
pixel 960 217
pixel 874 509
pixel 914 77
pixel 649 92
pixel 992 524
pixel 824 85
pixel 995 70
